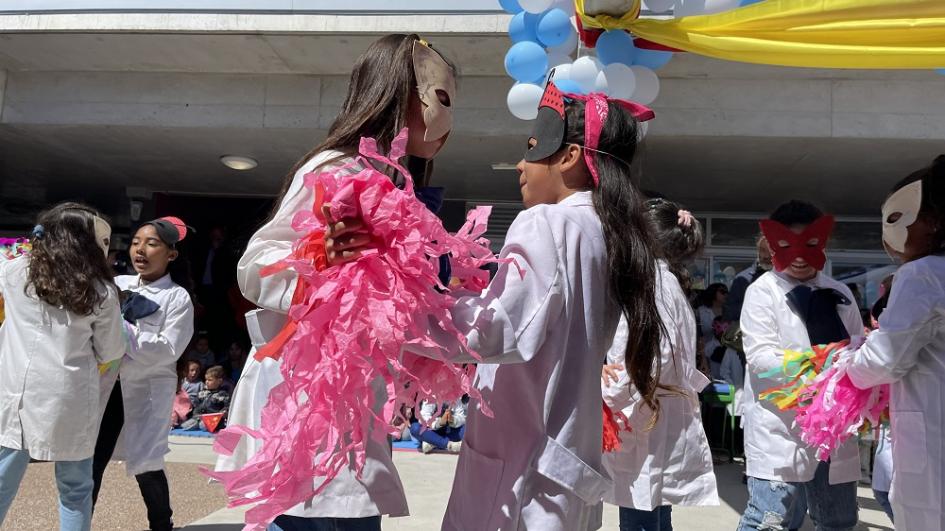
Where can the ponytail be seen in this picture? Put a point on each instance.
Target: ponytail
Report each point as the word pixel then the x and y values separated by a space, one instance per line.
pixel 675 242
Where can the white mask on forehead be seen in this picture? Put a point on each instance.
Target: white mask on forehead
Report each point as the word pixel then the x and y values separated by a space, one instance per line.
pixel 906 202
pixel 103 234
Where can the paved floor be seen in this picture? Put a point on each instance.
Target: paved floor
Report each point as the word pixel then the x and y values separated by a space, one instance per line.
pixel 427 479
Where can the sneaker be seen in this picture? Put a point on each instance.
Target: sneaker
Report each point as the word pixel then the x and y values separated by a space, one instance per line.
pixel 453 447
pixel 427 447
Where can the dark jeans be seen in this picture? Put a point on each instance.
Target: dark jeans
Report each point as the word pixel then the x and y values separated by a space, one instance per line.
pixel 297 523
pixel 153 485
pixel 438 438
pixel 659 519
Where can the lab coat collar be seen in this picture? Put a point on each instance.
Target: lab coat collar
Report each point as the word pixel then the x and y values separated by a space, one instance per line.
pixel 578 199
pixel 788 283
pixel 156 286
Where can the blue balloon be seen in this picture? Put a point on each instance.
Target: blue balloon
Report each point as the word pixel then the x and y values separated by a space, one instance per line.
pixel 616 46
pixel 567 85
pixel 652 59
pixel 526 61
pixel 554 27
pixel 524 27
pixel 510 6
pixel 744 3
pixel 940 71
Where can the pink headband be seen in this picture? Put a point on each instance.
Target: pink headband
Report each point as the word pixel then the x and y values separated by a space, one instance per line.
pixel 595 115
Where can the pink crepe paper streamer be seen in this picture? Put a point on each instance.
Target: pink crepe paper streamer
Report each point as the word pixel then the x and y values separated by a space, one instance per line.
pixel 834 409
pixel 352 323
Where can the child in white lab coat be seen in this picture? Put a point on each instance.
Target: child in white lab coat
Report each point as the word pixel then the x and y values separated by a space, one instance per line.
pixel 400 81
pixel 794 307
pixel 160 320
pixel 668 462
pixel 62 320
pixel 908 349
pixel 584 257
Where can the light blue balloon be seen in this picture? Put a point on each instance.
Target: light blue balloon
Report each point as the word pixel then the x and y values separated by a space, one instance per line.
pixel 567 85
pixel 510 6
pixel 524 27
pixel 526 61
pixel 652 59
pixel 940 71
pixel 616 46
pixel 554 27
pixel 748 2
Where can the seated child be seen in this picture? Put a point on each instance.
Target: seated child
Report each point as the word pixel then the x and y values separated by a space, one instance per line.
pixel 446 431
pixel 213 398
pixel 193 381
pixel 202 353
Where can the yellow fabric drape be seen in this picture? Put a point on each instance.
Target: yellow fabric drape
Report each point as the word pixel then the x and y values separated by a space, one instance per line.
pixel 811 33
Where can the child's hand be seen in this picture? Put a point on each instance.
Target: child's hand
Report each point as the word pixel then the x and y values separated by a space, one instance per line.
pixel 609 375
pixel 345 239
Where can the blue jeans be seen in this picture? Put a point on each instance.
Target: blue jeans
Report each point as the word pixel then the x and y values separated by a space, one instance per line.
pixel 438 438
pixel 882 498
pixel 776 505
pixel 73 478
pixel 297 523
pixel 659 519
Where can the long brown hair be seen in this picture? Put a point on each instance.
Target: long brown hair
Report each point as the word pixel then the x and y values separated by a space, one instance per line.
pixel 631 258
pixel 379 94
pixel 67 267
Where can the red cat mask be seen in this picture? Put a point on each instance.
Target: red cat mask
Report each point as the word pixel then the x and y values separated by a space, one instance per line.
pixel 787 246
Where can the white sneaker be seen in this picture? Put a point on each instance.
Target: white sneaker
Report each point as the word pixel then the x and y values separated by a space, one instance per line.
pixel 453 447
pixel 427 447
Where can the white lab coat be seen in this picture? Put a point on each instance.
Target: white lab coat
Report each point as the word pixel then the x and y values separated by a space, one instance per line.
pixel 379 490
pixel 908 352
pixel 670 464
pixel 536 464
pixel 49 382
pixel 773 446
pixel 429 410
pixel 733 372
pixel 149 373
pixel 883 462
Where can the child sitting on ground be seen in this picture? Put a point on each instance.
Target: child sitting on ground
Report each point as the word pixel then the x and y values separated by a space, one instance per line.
pixel 193 383
pixel 213 398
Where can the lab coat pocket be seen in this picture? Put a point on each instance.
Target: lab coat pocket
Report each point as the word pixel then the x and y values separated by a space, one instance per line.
pixel 473 509
pixel 560 465
pixel 913 481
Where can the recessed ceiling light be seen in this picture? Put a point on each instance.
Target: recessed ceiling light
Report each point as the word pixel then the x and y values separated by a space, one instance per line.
pixel 238 162
pixel 504 166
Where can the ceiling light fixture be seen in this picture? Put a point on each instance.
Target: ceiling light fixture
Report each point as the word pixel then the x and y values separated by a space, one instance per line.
pixel 238 162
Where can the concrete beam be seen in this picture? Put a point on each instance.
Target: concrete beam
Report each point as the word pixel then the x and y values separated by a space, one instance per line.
pixel 490 23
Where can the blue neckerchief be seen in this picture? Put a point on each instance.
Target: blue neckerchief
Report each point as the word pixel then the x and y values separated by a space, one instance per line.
pixel 817 309
pixel 136 306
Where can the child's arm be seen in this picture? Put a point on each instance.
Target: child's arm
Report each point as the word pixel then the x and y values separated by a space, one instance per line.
pixel 166 344
pixel 108 339
pixel 760 331
pixel 906 326
pixel 509 321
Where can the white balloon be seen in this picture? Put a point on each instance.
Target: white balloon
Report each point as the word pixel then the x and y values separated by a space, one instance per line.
pixel 601 84
pixel 648 85
pixel 659 6
pixel 621 82
pixel 535 6
pixel 568 46
pixel 523 100
pixel 565 5
pixel 563 72
pixel 584 72
pixel 558 59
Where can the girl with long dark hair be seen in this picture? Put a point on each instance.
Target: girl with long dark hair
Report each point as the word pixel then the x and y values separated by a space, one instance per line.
pixel 664 461
pixel 138 395
pixel 579 257
pixel 62 321
pixel 400 81
pixel 908 349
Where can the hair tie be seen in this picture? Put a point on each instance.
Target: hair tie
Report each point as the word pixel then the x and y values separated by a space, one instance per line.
pixel 685 218
pixel 39 232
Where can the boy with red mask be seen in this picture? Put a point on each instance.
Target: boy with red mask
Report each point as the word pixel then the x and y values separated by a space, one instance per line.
pixel 793 307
